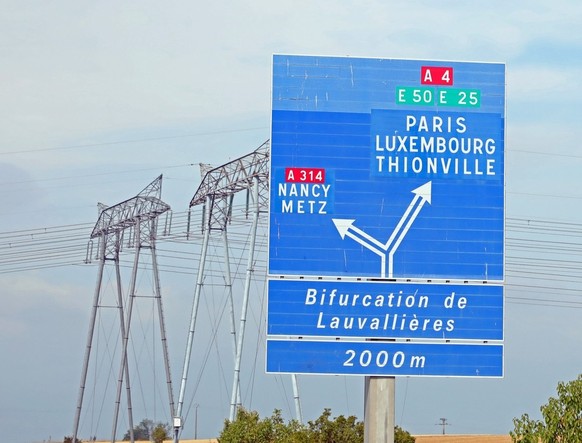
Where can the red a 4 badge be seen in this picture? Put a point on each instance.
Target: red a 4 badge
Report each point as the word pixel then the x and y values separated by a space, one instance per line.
pixel 436 75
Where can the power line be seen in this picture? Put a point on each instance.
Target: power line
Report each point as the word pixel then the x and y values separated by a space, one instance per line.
pixel 101 174
pixel 551 154
pixel 136 140
pixel 542 257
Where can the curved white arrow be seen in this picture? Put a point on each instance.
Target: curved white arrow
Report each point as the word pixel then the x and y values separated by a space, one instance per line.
pixel 345 227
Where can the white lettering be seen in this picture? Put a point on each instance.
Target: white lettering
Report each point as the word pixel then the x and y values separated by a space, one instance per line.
pixel 310 296
pixel 427 76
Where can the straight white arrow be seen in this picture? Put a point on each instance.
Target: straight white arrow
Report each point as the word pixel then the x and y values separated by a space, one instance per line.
pixel 423 194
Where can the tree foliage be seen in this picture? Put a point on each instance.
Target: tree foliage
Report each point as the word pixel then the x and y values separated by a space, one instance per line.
pixel 340 429
pixel 561 418
pixel 250 428
pixel 402 436
pixel 147 429
pixel 160 433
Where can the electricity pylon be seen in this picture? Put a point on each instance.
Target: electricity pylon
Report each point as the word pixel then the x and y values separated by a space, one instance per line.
pixel 216 192
pixel 135 220
pixel 444 423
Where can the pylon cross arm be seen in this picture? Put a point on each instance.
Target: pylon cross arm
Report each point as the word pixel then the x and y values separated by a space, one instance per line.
pixel 147 205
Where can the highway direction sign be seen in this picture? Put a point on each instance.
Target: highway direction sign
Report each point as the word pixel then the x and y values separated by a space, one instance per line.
pixel 386 218
pixel 385 168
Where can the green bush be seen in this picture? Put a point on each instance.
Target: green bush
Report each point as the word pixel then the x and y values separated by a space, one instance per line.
pixel 147 429
pixel 562 418
pixel 402 436
pixel 160 433
pixel 340 429
pixel 248 427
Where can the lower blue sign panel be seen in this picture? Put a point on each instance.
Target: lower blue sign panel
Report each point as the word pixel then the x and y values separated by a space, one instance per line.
pixel 384 358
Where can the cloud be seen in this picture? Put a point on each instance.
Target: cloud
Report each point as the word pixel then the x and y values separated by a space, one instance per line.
pixel 25 295
pixel 74 73
pixel 24 192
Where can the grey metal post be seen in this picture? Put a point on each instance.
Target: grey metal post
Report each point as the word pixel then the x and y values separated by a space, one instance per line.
pixel 161 320
pixel 124 367
pixel 379 398
pixel 228 284
pixel 102 251
pixel 298 413
pixel 197 291
pixel 196 421
pixel 243 316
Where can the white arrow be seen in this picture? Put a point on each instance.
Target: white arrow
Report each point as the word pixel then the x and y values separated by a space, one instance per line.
pixel 346 227
pixel 423 194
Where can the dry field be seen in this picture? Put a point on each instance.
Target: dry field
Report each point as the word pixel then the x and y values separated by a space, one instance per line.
pixel 419 439
pixel 206 440
pixel 463 439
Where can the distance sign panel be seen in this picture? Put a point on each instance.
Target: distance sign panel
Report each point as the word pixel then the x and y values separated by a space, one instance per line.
pixel 385 168
pixel 384 358
pixel 385 310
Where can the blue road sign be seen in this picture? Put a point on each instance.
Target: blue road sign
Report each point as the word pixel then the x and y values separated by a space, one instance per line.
pixel 384 358
pixel 386 168
pixel 385 310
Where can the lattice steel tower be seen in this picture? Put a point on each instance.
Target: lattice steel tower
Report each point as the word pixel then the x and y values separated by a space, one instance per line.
pixel 133 222
pixel 250 174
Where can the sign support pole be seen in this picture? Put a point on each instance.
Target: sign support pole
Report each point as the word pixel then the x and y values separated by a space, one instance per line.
pixel 379 398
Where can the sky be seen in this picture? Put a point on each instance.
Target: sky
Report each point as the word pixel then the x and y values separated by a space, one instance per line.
pixel 99 98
